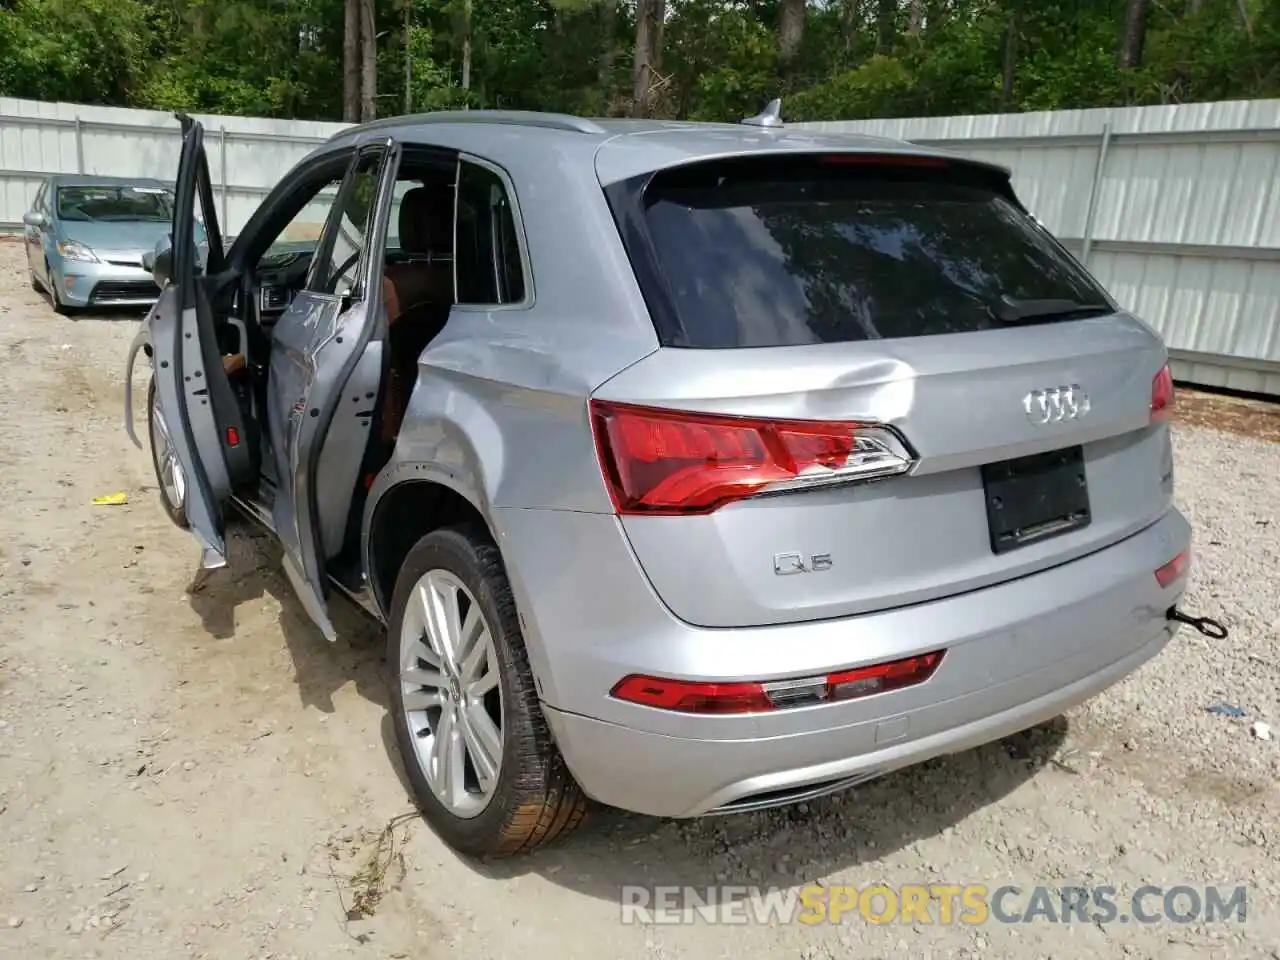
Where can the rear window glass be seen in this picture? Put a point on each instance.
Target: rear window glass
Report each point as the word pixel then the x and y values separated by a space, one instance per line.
pixel 772 253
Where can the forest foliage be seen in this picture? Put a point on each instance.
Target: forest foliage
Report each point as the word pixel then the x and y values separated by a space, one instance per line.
pixel 684 59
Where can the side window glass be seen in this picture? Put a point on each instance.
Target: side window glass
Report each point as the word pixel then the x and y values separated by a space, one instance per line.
pixel 301 235
pixel 489 269
pixel 348 228
pixel 394 244
pixel 38 205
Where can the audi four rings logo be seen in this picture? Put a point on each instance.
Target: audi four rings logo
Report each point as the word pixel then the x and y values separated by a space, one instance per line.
pixel 1056 404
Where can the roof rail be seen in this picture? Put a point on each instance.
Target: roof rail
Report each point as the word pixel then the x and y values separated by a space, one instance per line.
pixel 523 118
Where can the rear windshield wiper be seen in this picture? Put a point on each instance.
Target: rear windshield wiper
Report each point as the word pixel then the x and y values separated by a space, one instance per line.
pixel 1009 310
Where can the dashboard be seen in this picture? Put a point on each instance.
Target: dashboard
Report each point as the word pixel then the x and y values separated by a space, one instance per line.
pixel 281 274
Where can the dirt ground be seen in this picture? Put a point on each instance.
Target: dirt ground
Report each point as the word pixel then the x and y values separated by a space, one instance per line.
pixel 199 774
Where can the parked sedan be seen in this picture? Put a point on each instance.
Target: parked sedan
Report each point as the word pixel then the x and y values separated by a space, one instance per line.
pixel 85 237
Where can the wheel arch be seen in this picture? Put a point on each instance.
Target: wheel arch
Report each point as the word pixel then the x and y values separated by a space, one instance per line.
pixel 403 514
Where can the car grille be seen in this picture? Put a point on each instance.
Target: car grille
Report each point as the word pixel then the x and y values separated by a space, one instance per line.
pixel 113 291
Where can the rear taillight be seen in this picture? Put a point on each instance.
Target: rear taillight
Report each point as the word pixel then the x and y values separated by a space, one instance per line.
pixel 674 462
pixel 1175 568
pixel 688 696
pixel 1162 395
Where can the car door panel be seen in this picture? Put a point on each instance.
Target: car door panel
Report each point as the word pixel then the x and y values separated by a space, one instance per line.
pixel 325 369
pixel 206 428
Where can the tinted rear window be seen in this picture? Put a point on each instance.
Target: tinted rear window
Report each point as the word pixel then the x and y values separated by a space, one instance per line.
pixel 780 253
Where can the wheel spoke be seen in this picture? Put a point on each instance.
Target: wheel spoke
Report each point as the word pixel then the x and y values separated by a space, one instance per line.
pixel 484 742
pixel 413 629
pixel 480 687
pixel 419 652
pixel 415 677
pixel 415 700
pixel 440 602
pixel 448 756
pixel 474 646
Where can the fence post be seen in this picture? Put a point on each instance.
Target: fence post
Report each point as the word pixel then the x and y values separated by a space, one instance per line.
pixel 222 164
pixel 1095 188
pixel 79 146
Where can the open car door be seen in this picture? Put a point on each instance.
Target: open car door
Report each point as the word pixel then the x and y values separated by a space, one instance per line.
pixel 201 436
pixel 326 346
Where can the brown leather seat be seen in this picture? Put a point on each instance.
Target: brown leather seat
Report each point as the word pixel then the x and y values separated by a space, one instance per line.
pixel 418 294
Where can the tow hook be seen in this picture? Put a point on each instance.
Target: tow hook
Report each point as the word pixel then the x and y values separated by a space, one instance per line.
pixel 1206 625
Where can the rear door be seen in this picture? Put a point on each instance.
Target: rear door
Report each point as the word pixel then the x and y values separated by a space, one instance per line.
pixel 205 424
pixel 832 320
pixel 325 346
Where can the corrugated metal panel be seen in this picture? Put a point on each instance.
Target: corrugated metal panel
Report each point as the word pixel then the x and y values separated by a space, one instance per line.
pixel 1186 228
pixel 40 138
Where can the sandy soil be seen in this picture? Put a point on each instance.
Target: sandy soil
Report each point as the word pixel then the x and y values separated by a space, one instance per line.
pixel 197 773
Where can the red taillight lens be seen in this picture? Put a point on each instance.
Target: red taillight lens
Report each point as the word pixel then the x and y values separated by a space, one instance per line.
pixel 1175 568
pixel 688 696
pixel 675 462
pixel 883 677
pixel 1162 395
pixel 233 437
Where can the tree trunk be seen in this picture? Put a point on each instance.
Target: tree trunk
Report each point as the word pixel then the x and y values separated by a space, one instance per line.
pixel 790 32
pixel 1010 62
pixel 848 26
pixel 641 64
pixel 351 62
pixel 1135 33
pixel 466 52
pixel 608 50
pixel 408 56
pixel 368 64
pixel 656 37
pixel 915 18
pixel 886 25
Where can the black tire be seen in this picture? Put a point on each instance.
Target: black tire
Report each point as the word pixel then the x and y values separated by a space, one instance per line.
pixel 176 512
pixel 35 284
pixel 535 799
pixel 59 307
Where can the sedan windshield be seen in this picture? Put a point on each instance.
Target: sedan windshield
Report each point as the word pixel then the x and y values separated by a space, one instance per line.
pixel 115 204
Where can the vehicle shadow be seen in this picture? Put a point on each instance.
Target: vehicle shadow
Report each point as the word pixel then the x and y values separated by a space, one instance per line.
pixel 253 572
pixel 795 845
pixel 787 847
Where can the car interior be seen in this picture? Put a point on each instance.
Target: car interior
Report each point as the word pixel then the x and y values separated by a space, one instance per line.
pixel 416 291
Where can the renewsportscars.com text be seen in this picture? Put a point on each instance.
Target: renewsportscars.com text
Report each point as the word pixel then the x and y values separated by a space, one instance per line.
pixel 944 904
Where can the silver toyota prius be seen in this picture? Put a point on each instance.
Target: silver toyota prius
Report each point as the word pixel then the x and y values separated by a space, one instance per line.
pixel 693 468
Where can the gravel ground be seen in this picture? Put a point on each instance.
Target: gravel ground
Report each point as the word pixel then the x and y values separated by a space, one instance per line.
pixel 196 773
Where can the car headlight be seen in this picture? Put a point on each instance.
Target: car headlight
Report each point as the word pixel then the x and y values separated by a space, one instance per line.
pixel 74 250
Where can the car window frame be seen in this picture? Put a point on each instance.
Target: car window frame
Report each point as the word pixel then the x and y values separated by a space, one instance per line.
pixel 381 150
pixel 248 248
pixel 517 216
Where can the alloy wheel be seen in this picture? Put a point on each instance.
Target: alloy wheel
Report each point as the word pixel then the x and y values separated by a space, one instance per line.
pixel 451 696
pixel 168 468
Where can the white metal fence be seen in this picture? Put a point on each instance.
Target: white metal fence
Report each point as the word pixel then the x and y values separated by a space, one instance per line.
pixel 1175 209
pixel 247 155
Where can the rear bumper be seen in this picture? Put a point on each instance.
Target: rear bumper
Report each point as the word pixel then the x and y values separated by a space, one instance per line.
pixel 678 777
pixel 1017 653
